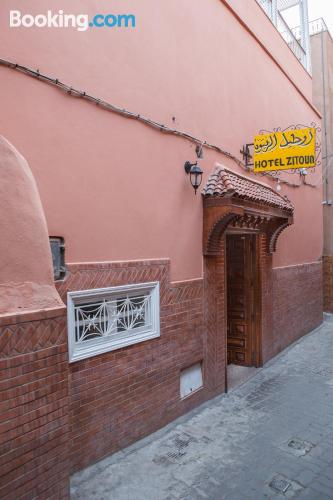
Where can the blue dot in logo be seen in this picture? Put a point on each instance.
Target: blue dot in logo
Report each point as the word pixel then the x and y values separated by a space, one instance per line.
pixel 91 24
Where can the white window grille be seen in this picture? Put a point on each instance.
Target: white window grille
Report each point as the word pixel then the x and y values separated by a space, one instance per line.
pixel 106 319
pixel 317 26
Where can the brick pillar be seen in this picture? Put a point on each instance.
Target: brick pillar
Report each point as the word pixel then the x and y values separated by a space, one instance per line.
pixel 34 416
pixel 266 281
pixel 328 283
pixel 215 322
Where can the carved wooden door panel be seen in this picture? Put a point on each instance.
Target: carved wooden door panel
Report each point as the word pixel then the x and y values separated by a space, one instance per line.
pixel 240 295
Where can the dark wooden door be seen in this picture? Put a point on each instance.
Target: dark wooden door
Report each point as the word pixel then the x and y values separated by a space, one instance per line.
pixel 240 302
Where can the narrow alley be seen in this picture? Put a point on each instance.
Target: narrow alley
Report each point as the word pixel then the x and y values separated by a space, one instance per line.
pixel 270 438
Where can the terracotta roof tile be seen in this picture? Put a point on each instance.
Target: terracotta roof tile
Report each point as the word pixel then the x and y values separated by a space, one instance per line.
pixel 223 182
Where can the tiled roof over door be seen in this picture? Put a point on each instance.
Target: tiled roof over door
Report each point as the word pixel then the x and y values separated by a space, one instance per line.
pixel 226 183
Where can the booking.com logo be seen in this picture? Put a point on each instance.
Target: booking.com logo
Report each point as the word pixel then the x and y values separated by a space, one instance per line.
pixel 61 20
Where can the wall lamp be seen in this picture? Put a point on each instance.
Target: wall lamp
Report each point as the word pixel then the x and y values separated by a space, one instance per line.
pixel 195 174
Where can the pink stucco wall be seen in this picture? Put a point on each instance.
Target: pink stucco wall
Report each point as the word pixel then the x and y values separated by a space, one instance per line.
pixel 260 25
pixel 115 189
pixel 26 275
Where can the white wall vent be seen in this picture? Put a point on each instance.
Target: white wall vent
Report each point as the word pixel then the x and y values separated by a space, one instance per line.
pixel 190 380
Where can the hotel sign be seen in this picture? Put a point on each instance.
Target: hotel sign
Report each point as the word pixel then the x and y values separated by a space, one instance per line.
pixel 287 150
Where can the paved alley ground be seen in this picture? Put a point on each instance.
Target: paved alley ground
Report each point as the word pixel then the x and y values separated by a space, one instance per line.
pixel 270 438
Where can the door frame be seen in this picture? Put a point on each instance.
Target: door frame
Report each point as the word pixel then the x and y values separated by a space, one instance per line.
pixel 256 326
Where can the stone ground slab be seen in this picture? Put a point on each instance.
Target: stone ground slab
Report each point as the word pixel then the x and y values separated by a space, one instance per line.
pixel 270 438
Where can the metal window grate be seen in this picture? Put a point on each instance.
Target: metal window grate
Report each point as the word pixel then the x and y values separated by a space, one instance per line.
pixel 267 6
pixel 317 26
pixel 112 316
pixel 105 319
pixel 296 38
pixel 286 4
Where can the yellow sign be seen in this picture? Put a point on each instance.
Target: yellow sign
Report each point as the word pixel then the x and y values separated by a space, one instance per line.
pixel 285 150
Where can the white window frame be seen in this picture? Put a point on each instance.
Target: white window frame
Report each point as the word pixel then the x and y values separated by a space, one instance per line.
pixel 79 350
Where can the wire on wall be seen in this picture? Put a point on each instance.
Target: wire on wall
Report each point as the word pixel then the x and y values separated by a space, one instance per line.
pixel 129 114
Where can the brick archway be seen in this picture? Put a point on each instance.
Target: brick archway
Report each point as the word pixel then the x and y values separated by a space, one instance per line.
pixel 233 201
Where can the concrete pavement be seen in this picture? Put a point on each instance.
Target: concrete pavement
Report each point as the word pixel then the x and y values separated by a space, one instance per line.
pixel 270 438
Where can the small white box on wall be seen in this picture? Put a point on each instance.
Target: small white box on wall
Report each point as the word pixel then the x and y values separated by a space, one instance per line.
pixel 190 380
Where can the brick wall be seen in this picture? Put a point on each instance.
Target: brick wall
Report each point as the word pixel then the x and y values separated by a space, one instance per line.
pixel 34 421
pixel 328 283
pixel 267 304
pixel 57 418
pixel 121 396
pixel 215 322
pixel 297 304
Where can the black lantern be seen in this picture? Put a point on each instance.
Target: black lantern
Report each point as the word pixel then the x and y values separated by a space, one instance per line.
pixel 195 174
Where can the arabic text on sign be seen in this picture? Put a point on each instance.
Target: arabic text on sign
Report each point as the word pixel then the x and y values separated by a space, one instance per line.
pixel 285 150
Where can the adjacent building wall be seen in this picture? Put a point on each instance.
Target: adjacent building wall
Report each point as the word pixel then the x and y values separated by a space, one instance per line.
pixel 322 64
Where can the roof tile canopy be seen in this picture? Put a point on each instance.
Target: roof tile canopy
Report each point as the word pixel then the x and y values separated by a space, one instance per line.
pixel 225 183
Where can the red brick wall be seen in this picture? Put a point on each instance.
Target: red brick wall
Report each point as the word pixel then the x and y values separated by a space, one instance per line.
pixel 34 421
pixel 267 304
pixel 121 396
pixel 297 303
pixel 57 418
pixel 328 283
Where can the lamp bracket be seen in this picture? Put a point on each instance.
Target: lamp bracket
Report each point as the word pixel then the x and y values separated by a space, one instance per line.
pixel 188 165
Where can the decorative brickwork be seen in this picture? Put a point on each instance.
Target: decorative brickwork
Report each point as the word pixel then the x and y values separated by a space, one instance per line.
pixel 28 337
pixel 328 283
pixel 297 304
pixel 34 418
pixel 104 274
pixel 121 396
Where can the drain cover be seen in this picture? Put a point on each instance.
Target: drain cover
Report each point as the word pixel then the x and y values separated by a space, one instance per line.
pixel 183 440
pixel 175 449
pixel 176 454
pixel 180 443
pixel 280 485
pixel 300 446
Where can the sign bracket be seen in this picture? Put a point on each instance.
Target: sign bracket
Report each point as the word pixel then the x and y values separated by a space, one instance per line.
pixel 247 156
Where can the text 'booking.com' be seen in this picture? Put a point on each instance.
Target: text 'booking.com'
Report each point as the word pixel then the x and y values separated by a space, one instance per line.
pixel 80 22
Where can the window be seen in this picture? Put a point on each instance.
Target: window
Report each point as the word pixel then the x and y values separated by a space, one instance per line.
pixel 102 320
pixel 58 257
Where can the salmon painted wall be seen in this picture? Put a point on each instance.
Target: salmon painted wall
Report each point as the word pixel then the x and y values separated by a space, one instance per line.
pixel 112 187
pixel 255 19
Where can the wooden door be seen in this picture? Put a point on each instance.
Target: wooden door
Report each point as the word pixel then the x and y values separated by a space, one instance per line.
pixel 240 298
